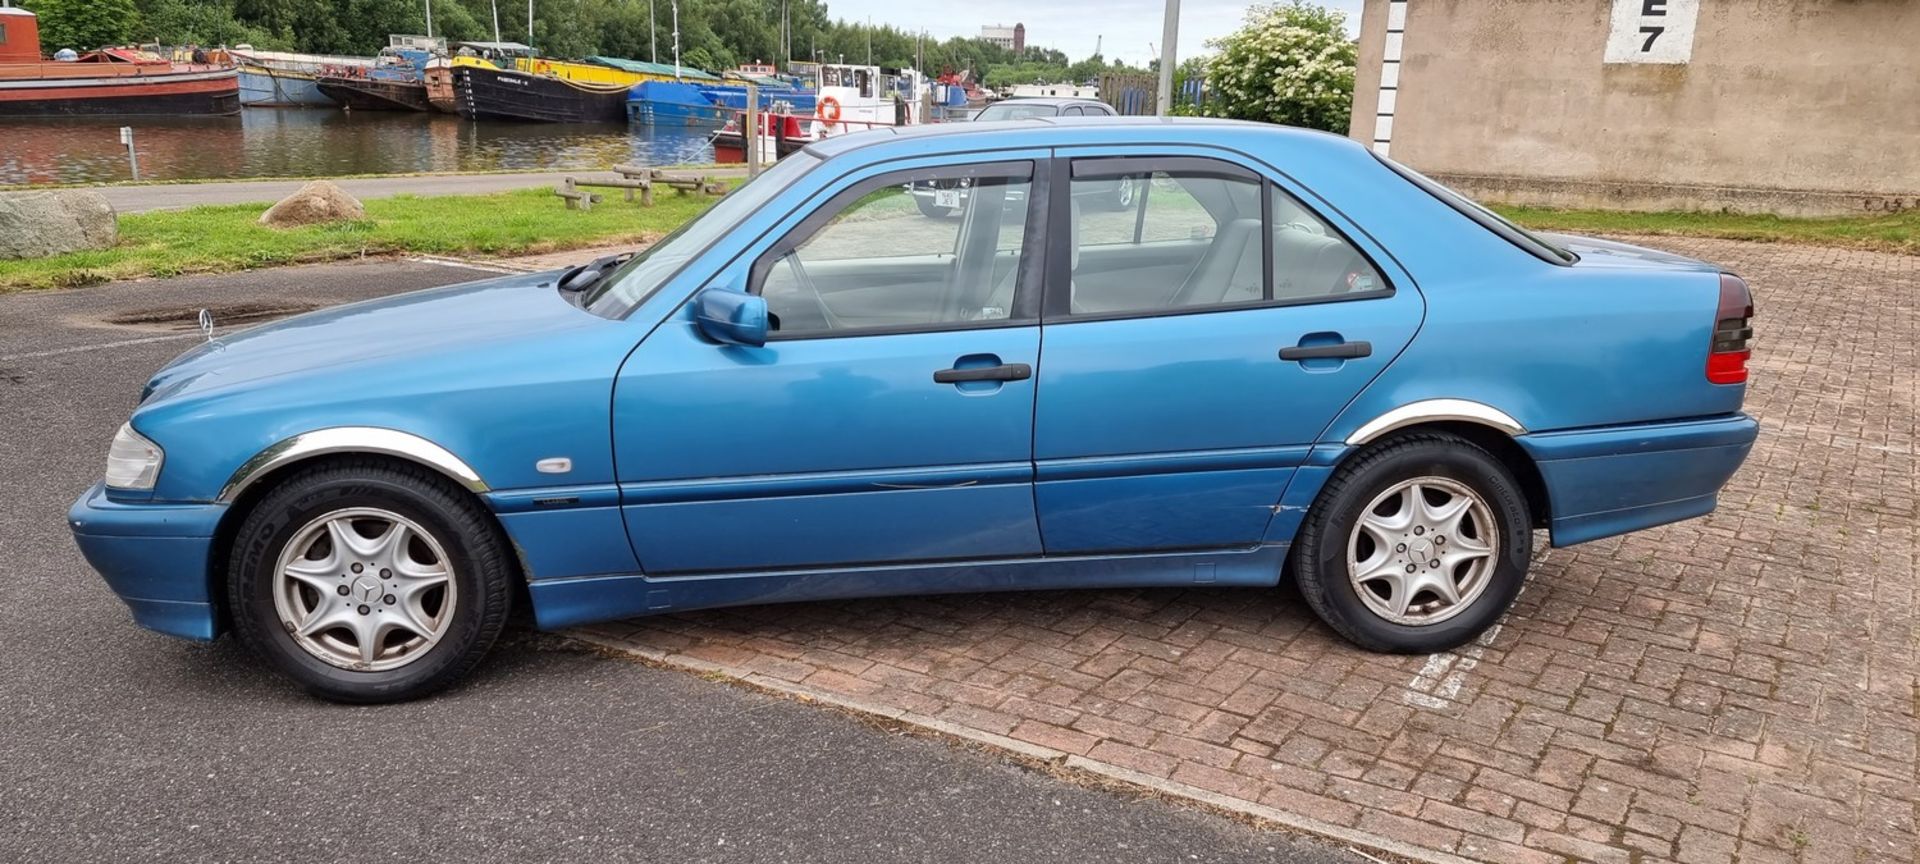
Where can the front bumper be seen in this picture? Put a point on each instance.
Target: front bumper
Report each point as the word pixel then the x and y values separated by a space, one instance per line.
pixel 1617 479
pixel 155 556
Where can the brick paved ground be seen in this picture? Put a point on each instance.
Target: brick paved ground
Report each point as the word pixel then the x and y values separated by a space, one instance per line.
pixel 1741 686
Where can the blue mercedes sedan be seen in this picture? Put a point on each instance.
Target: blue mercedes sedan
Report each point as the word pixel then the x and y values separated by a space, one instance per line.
pixel 1285 355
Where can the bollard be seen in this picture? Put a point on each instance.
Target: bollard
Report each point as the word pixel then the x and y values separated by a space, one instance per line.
pixel 126 137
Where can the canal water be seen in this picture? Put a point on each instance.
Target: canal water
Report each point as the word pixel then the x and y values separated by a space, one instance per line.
pixel 317 142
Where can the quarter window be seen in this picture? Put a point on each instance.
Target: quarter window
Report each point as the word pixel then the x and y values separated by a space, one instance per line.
pixel 1311 259
pixel 910 250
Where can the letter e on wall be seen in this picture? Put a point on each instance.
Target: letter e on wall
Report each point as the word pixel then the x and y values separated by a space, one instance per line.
pixel 1652 31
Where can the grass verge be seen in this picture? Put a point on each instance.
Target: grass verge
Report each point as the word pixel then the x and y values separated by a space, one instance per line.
pixel 1893 232
pixel 228 237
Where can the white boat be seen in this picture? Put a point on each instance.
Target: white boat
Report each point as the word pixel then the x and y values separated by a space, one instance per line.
pixel 854 98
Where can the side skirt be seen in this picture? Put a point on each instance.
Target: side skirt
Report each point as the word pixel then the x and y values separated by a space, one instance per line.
pixel 567 602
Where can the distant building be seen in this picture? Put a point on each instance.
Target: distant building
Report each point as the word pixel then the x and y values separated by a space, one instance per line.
pixel 1802 107
pixel 1011 38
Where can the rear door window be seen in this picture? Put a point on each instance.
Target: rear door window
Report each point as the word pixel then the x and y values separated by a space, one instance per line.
pixel 1175 234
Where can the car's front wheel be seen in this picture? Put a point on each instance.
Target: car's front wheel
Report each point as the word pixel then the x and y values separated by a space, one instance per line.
pixel 1415 546
pixel 366 581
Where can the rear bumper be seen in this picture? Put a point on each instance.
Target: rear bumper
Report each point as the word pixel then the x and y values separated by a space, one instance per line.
pixel 155 556
pixel 1617 479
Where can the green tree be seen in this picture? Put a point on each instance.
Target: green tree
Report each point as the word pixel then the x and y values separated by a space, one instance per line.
pixel 1290 64
pixel 84 25
pixel 201 22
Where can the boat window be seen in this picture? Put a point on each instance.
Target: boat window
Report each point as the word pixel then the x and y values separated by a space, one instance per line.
pixel 649 269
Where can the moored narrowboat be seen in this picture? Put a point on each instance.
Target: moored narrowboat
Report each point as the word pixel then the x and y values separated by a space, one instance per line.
pixel 557 91
pixel 394 83
pixel 280 79
pixel 681 103
pixel 486 93
pixel 107 82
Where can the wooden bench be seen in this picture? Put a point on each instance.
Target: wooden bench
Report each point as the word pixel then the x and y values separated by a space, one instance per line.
pixel 575 197
pixel 634 177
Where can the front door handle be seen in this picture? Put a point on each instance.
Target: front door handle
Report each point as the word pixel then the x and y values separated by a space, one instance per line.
pixel 1339 351
pixel 1002 372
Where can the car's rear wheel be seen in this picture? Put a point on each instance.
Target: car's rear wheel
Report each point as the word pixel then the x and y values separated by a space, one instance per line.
pixel 366 581
pixel 1415 546
pixel 1124 191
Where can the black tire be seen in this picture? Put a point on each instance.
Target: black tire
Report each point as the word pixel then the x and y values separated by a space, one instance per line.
pixel 1123 193
pixel 483 570
pixel 1320 553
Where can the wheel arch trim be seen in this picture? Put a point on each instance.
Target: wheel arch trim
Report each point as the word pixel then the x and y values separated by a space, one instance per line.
pixel 350 439
pixel 1433 411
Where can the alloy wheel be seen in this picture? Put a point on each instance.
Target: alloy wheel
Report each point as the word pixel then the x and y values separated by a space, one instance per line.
pixel 364 589
pixel 1422 551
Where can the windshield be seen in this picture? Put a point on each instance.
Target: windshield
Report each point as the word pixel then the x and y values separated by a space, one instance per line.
pixel 1498 224
pixel 635 281
pixel 1015 111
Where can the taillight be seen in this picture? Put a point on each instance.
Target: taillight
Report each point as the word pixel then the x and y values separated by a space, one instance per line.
pixel 1732 334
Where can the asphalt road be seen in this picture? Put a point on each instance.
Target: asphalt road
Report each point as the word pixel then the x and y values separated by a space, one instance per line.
pixel 121 745
pixel 173 196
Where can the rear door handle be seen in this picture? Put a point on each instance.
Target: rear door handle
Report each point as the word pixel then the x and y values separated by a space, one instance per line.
pixel 1003 372
pixel 1340 351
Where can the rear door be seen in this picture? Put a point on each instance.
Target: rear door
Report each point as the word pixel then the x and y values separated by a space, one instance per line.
pixel 1195 346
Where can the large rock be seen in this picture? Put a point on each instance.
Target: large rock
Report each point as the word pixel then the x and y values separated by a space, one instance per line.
pixel 316 202
pixel 38 224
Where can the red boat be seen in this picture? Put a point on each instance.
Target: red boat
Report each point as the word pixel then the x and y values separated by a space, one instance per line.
pixel 111 81
pixel 785 130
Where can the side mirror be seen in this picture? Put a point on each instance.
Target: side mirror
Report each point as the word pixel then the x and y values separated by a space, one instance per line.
pixel 731 317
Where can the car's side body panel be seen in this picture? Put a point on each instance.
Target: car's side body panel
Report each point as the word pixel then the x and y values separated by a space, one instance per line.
pixel 828 451
pixel 567 602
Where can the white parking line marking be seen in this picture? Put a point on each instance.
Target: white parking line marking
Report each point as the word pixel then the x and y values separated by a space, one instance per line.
pixel 1429 689
pixel 468 265
pixel 97 346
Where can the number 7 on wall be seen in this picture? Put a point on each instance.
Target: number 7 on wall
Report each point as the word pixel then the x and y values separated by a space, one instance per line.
pixel 1652 31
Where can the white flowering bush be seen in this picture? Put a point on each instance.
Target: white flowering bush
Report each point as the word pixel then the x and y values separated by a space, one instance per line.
pixel 1291 63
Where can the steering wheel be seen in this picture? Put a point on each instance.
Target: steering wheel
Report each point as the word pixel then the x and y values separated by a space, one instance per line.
pixel 800 276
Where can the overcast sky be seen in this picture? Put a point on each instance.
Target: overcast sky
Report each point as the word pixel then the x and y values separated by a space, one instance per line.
pixel 1071 25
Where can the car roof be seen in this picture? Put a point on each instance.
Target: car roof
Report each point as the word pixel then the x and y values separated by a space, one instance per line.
pixel 1047 131
pixel 1047 100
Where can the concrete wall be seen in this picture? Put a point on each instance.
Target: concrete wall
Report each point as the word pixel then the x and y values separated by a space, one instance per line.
pixel 1798 107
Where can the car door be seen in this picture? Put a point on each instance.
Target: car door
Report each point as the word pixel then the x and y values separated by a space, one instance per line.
pixel 888 418
pixel 1196 344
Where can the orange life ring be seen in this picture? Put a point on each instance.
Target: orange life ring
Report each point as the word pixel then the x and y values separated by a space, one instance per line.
pixel 829 109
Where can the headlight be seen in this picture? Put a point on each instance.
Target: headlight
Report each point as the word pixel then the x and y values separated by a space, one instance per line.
pixel 133 462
